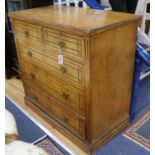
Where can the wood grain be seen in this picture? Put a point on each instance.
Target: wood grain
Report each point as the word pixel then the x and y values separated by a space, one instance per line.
pixel 84 20
pixel 14 89
pixel 65 94
pixel 111 75
pixel 70 71
pixel 67 118
pixel 87 98
pixel 73 45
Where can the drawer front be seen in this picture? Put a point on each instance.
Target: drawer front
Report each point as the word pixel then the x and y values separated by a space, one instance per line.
pixel 72 46
pixel 27 34
pixel 47 103
pixel 66 95
pixel 70 71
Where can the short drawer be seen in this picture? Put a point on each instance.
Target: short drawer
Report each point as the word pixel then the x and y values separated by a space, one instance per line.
pixel 69 71
pixel 71 121
pixel 65 94
pixel 72 46
pixel 27 34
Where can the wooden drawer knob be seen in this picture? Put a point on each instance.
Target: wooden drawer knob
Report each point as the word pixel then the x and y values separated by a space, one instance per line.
pixel 63 69
pixel 66 120
pixel 35 98
pixel 65 95
pixel 26 33
pixel 29 53
pixel 33 76
pixel 61 44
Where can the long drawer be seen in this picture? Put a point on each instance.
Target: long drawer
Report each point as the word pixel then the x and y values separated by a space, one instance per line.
pixel 72 46
pixel 69 71
pixel 67 95
pixel 28 34
pixel 47 103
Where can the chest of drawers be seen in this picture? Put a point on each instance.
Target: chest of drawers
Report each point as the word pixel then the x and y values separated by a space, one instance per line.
pixel 87 96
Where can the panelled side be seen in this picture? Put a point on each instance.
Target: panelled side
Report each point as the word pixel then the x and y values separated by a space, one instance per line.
pixel 112 55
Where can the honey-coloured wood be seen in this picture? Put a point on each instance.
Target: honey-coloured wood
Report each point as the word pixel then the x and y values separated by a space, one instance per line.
pixel 111 73
pixel 29 34
pixel 72 46
pixel 83 20
pixel 66 94
pixel 87 97
pixel 69 71
pixel 14 90
pixel 68 119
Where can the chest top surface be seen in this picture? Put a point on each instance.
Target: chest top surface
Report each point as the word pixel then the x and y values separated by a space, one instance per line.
pixel 82 19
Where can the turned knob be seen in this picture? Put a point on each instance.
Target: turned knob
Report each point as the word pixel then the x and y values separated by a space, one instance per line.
pixel 66 119
pixel 35 98
pixel 33 76
pixel 65 95
pixel 63 69
pixel 26 33
pixel 29 53
pixel 61 44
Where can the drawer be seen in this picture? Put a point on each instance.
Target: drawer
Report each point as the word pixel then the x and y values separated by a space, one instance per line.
pixel 71 121
pixel 65 94
pixel 69 71
pixel 27 34
pixel 72 46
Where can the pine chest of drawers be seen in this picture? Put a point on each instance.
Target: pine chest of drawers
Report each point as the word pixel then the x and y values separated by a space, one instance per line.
pixel 85 93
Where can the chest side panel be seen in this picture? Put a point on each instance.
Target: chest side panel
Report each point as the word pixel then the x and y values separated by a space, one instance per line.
pixel 112 56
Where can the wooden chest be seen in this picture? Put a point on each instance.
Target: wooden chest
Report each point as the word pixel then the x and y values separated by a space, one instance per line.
pixel 87 95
